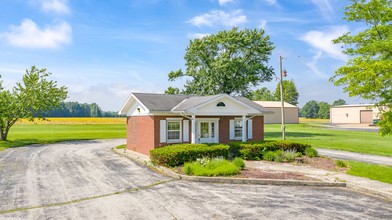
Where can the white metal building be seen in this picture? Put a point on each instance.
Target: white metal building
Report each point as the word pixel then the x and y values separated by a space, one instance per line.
pixel 354 114
pixel 290 113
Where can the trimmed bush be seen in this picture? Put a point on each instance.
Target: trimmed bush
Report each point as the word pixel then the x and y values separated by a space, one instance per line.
pixel 311 152
pixel 256 151
pixel 212 167
pixel 178 154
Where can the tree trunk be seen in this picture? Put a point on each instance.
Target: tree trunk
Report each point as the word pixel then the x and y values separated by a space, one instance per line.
pixel 3 135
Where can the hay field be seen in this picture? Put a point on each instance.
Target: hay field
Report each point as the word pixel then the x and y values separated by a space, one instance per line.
pixel 74 121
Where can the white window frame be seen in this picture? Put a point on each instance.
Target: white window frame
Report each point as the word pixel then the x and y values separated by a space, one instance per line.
pixel 167 131
pixel 236 120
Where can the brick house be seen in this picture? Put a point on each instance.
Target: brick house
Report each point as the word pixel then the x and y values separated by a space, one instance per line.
pixel 156 120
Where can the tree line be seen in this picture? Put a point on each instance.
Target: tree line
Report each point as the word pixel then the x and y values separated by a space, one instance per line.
pixel 75 109
pixel 315 109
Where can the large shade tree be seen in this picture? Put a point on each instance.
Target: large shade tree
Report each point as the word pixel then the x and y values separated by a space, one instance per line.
pixel 228 62
pixel 29 99
pixel 290 92
pixel 368 73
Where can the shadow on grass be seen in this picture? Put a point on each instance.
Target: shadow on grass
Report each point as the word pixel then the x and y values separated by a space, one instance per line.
pixel 294 134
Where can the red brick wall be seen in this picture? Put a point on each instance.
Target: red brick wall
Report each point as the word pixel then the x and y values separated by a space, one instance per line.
pixel 143 132
pixel 258 128
pixel 140 134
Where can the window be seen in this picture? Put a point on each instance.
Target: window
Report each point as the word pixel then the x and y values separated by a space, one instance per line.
pixel 174 131
pixel 204 129
pixel 212 129
pixel 220 104
pixel 237 129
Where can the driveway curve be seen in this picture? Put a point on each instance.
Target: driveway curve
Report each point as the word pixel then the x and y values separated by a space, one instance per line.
pixel 86 180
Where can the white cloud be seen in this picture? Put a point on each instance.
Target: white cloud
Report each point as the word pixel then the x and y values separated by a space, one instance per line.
pixel 223 2
pixel 323 41
pixel 30 35
pixel 325 8
pixel 197 35
pixel 313 65
pixel 217 17
pixel 263 24
pixel 272 2
pixel 56 6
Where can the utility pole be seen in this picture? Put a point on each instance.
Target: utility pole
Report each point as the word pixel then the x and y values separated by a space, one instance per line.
pixel 281 97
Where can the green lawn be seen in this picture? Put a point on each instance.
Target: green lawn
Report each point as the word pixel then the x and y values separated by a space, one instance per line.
pixel 24 134
pixel 355 141
pixel 371 171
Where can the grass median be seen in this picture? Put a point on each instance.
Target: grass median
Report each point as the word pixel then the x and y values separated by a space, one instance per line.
pixel 354 141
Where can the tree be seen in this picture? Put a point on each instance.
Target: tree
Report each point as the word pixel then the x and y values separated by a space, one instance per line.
pixel 262 94
pixel 228 62
pixel 172 91
pixel 310 109
pixel 29 99
pixel 368 73
pixel 323 111
pixel 290 93
pixel 339 102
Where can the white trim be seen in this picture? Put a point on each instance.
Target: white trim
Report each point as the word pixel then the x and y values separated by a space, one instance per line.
pixel 244 128
pixel 167 130
pixel 174 119
pixel 231 129
pixel 250 129
pixel 162 131
pixel 185 127
pixel 193 138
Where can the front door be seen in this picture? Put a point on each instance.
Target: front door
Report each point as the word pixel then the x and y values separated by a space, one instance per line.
pixel 207 132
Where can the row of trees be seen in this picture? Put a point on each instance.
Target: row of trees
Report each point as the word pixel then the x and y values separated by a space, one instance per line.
pixel 315 109
pixel 290 93
pixel 75 109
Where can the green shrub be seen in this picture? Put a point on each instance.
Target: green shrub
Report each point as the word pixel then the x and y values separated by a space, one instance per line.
pixel 341 163
pixel 178 154
pixel 239 162
pixel 256 150
pixel 278 156
pixel 269 156
pixel 289 155
pixel 214 167
pixel 311 152
pixel 299 154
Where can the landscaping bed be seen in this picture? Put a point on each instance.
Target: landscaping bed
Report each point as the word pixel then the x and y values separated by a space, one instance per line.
pixel 272 174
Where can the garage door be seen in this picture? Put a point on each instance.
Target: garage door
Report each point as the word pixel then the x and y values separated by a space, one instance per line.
pixel 366 116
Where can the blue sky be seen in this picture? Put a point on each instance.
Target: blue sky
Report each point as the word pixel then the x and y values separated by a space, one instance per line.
pixel 103 50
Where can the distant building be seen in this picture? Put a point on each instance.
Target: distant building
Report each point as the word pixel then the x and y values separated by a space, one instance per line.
pixel 290 112
pixel 354 114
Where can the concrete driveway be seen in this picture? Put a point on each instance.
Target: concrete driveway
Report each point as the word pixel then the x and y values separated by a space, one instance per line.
pixel 86 180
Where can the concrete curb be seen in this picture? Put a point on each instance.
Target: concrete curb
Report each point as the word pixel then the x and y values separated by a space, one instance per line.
pixel 145 161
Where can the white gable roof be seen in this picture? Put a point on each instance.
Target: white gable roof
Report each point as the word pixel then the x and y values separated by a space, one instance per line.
pixel 275 104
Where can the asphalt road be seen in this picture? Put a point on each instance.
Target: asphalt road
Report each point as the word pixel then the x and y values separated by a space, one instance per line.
pixel 86 180
pixel 345 155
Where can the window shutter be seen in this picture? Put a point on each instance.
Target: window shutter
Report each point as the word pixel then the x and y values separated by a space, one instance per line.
pixel 185 125
pixel 250 129
pixel 231 129
pixel 162 128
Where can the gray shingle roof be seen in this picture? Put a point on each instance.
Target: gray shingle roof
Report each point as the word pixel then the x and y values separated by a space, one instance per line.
pixel 193 102
pixel 160 102
pixel 164 102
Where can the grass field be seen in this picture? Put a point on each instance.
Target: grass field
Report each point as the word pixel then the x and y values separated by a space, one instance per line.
pixel 354 141
pixel 64 129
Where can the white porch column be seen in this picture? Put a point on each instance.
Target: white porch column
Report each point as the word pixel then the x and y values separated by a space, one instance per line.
pixel 244 128
pixel 193 139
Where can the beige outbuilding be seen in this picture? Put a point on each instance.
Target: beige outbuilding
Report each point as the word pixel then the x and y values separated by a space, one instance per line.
pixel 290 112
pixel 354 114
